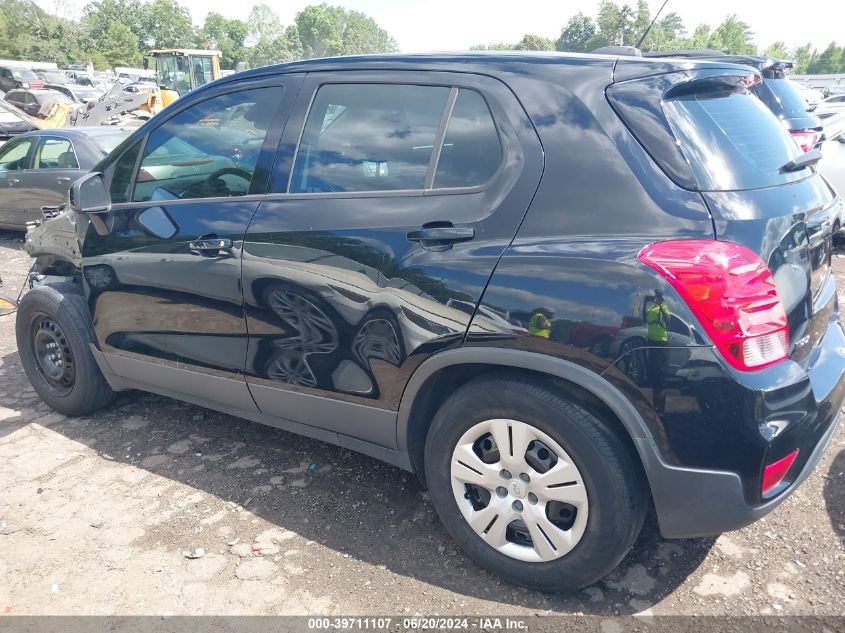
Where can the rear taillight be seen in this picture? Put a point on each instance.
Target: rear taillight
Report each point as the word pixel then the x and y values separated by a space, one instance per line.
pixel 733 294
pixel 773 474
pixel 805 139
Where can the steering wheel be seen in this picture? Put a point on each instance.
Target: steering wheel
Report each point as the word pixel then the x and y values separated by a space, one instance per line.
pixel 208 185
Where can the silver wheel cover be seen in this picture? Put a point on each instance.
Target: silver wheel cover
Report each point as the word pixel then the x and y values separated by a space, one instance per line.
pixel 561 483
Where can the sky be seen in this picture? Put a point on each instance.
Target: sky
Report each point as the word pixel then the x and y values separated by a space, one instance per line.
pixel 443 25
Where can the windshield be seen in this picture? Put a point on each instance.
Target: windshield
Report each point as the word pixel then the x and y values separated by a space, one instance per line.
pixel 22 74
pixel 50 95
pixel 731 140
pixel 85 94
pixel 782 97
pixel 173 72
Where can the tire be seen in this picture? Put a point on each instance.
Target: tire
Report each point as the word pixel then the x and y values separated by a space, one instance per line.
pixel 609 495
pixel 58 314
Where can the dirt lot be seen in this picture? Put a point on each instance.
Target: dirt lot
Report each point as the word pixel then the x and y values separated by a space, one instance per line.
pixel 96 512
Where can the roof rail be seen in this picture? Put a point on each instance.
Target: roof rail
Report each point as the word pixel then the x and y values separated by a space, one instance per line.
pixel 700 52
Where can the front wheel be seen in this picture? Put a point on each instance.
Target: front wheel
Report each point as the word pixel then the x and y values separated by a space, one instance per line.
pixel 532 485
pixel 54 331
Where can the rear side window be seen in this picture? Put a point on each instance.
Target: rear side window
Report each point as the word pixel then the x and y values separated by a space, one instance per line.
pixel 55 153
pixel 383 137
pixel 731 140
pixel 471 151
pixel 368 137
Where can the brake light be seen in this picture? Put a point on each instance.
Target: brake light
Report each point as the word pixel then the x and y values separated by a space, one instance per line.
pixel 773 474
pixel 805 139
pixel 733 294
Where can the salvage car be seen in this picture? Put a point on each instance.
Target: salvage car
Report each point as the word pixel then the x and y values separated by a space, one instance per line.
pixel 12 77
pixel 75 92
pixel 11 124
pixel 290 245
pixel 34 102
pixel 37 168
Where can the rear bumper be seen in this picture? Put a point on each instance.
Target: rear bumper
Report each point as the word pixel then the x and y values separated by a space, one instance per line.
pixel 693 502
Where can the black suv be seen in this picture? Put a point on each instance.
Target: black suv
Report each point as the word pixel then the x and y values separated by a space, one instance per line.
pixel 779 94
pixel 298 245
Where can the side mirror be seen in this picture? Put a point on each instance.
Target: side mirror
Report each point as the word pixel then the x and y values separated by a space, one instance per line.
pixel 89 195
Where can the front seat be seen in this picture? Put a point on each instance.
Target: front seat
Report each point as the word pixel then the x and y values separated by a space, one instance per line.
pixel 67 160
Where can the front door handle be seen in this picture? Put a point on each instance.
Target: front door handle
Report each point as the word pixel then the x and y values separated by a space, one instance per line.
pixel 13 181
pixel 63 180
pixel 210 245
pixel 441 238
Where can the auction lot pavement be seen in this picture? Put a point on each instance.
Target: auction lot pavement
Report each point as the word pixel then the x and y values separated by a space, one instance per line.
pixel 97 514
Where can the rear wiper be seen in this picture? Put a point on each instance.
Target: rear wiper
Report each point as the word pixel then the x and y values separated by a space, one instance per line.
pixel 805 160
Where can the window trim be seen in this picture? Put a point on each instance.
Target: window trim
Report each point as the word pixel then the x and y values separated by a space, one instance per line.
pixel 42 141
pixel 428 189
pixel 437 147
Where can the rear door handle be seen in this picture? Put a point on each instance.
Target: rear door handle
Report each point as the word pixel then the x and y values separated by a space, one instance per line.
pixel 210 246
pixel 13 181
pixel 441 238
pixel 63 180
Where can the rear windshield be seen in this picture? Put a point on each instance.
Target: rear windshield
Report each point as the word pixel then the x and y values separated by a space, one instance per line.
pixel 782 98
pixel 731 140
pixel 108 142
pixel 23 74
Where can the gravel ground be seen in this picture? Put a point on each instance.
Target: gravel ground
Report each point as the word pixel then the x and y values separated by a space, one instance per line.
pixel 97 514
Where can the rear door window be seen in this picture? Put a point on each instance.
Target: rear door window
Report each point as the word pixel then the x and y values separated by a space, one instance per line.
pixel 368 137
pixel 471 151
pixel 55 153
pixel 731 140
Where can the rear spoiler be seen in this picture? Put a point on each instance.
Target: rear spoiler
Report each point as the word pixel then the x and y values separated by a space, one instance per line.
pixel 760 62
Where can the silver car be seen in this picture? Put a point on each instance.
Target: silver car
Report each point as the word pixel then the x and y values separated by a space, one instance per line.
pixel 37 168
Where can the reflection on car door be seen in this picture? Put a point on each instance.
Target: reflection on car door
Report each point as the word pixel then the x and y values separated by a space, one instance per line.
pixel 164 283
pixel 15 157
pixel 54 167
pixel 349 269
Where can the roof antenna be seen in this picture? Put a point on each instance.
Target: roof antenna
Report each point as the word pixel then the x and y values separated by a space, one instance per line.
pixel 656 15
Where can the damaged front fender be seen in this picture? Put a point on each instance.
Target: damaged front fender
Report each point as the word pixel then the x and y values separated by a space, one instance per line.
pixel 55 243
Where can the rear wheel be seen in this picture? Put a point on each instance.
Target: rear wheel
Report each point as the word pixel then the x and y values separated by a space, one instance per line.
pixel 54 331
pixel 532 485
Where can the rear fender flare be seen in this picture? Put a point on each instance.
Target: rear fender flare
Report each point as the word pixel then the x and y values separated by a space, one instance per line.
pixel 507 358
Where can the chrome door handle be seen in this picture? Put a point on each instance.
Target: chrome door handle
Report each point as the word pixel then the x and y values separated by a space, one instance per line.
pixel 62 179
pixel 13 181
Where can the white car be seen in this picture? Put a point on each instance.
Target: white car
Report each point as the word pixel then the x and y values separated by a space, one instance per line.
pixel 830 106
pixel 811 95
pixel 832 164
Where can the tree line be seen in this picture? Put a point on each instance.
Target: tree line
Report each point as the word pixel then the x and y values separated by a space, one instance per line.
pixel 624 25
pixel 120 32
